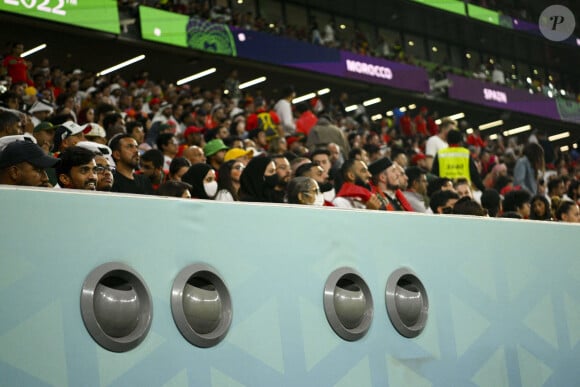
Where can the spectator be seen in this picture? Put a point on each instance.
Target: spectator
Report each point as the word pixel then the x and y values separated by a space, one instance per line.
pixel 177 168
pixel 77 169
pixel 528 167
pixel 201 177
pixel 174 188
pixel 416 192
pixel 229 181
pixel 304 190
pixel 24 163
pixel 126 155
pixel 540 208
pixel 517 201
pixel 283 109
pixel 568 211
pixel 355 191
pixel 258 180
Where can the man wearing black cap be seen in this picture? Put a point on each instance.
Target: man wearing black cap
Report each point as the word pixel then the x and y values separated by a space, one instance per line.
pixel 386 177
pixel 24 163
pixel 456 162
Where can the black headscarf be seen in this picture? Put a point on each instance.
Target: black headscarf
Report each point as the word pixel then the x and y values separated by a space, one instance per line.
pixel 252 184
pixel 194 176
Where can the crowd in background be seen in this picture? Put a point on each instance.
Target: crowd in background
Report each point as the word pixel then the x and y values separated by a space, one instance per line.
pixel 374 44
pixel 142 136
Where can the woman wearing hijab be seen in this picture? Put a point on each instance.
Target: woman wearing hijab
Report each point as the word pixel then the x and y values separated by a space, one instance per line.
pixel 258 181
pixel 201 177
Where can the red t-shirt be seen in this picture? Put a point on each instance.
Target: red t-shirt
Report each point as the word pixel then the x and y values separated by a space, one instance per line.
pixel 17 69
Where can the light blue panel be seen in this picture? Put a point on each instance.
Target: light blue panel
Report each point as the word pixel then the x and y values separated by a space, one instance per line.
pixel 518 316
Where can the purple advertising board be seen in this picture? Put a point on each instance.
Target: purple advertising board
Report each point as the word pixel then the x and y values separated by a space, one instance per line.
pixel 501 97
pixel 293 53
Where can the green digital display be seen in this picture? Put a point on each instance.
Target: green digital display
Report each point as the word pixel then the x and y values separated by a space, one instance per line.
pixel 184 31
pixel 102 15
pixel 454 6
pixel 483 14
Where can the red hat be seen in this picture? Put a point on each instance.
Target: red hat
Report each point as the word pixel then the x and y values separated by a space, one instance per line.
pixel 417 157
pixel 154 101
pixel 191 130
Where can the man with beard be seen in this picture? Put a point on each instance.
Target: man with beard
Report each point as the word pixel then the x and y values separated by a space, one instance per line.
pixel 355 191
pixel 77 169
pixel 386 179
pixel 24 163
pixel 126 155
pixel 103 159
pixel 283 172
pixel 322 158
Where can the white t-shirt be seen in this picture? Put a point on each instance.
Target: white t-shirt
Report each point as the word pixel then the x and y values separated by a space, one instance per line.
pixel 434 144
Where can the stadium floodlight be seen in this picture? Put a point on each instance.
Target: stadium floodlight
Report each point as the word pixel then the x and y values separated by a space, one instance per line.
pixel 490 125
pixel 377 117
pixel 326 90
pixel 33 50
pixel 193 77
pixel 412 106
pixel 457 116
pixel 559 136
pixel 564 148
pixel 372 101
pixel 519 129
pixel 303 98
pixel 121 65
pixel 350 108
pixel 253 82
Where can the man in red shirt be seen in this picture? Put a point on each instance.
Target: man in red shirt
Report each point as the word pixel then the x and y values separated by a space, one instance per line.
pixel 16 66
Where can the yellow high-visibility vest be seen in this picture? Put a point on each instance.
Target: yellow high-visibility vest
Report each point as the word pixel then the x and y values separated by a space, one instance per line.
pixel 454 163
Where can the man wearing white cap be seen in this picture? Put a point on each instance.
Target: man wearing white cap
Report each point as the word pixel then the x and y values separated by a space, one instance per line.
pixel 40 111
pixel 67 135
pixel 96 133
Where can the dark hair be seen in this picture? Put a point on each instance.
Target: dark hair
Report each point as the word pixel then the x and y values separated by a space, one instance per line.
pixel 436 184
pixel 73 157
pixel 511 215
pixel 132 125
pixel 547 214
pixel 554 182
pixel 177 163
pixel 155 156
pixel 109 119
pixel 535 154
pixel 440 198
pixel 563 208
pixel 299 184
pixel 319 151
pixel 468 206
pixel 354 152
pixel 414 174
pixel 115 141
pixel 163 139
pixel 173 188
pixel 573 188
pixel 490 200
pixel 7 119
pixel 454 137
pixel 347 167
pixel 304 168
pixel 515 199
pixel 225 178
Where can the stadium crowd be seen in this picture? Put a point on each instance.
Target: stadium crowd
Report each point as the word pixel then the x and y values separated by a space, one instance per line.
pixel 74 130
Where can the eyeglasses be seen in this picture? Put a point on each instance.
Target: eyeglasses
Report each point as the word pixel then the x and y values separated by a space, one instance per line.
pixel 104 169
pixel 97 170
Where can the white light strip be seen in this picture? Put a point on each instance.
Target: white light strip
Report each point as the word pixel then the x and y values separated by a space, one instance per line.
pixel 412 106
pixel 438 121
pixel 564 148
pixel 196 76
pixel 469 130
pixel 350 108
pixel 326 90
pixel 390 113
pixel 376 117
pixel 33 50
pixel 303 98
pixel 121 65
pixel 370 102
pixel 493 137
pixel 559 136
pixel 457 116
pixel 252 82
pixel 517 130
pixel 489 125
pixel 575 145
